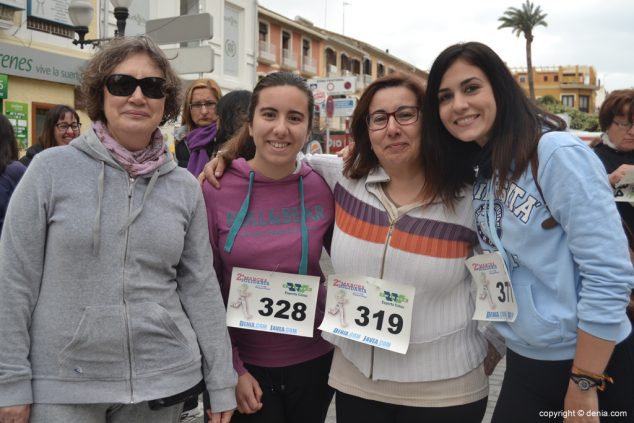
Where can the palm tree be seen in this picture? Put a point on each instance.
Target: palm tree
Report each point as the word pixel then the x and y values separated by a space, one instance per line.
pixel 522 21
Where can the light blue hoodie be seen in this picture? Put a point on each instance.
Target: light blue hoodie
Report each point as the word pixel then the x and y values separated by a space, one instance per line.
pixel 576 275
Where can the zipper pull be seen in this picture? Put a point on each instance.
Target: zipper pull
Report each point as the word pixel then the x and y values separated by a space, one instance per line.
pixel 130 187
pixel 476 170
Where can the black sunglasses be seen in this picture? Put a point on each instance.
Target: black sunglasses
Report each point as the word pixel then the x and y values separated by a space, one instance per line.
pixel 124 85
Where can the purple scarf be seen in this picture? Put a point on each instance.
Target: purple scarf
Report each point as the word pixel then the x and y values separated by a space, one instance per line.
pixel 134 162
pixel 197 142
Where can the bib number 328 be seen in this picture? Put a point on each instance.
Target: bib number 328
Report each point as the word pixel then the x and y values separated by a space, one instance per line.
pixel 272 302
pixel 283 309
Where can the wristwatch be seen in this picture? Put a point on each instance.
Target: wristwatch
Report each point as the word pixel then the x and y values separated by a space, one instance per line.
pixel 584 383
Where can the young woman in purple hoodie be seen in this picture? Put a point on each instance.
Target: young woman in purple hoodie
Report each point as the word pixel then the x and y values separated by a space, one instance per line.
pixel 274 213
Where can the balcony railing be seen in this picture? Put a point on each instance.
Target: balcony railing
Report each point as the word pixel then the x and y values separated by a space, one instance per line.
pixel 267 52
pixel 288 59
pixel 367 79
pixel 309 65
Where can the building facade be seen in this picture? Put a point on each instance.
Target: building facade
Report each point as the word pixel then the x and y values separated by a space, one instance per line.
pixel 41 67
pixel 297 45
pixel 574 86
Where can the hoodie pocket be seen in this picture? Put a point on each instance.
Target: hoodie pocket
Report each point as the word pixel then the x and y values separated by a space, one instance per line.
pixel 157 342
pixel 530 326
pixel 98 345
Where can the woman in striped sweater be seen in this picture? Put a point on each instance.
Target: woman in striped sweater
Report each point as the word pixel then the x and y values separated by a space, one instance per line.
pixel 386 227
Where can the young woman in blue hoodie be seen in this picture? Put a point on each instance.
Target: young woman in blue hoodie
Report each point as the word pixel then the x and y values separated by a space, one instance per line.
pixel 274 213
pixel 538 196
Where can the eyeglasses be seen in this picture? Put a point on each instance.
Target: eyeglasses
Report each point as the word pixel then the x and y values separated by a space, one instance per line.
pixel 124 85
pixel 626 126
pixel 63 127
pixel 210 105
pixel 405 115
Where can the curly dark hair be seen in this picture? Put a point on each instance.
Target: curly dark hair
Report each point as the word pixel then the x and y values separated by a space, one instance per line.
pixel 113 53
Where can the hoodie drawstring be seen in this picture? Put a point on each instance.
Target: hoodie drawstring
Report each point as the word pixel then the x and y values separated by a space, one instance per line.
pixel 242 213
pixel 96 227
pixel 239 219
pixel 303 264
pixel 138 211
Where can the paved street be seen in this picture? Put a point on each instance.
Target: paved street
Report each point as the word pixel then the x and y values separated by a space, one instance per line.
pixel 495 381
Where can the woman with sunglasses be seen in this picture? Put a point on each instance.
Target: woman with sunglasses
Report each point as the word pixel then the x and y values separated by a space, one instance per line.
pixel 387 227
pixel 545 212
pixel 61 126
pixel 195 141
pixel 110 307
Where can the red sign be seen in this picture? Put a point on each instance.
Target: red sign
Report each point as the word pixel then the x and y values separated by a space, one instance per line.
pixel 330 106
pixel 338 141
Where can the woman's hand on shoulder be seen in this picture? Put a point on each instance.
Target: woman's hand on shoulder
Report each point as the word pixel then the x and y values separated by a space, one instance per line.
pixel 346 151
pixel 213 171
pixel 248 394
pixel 15 414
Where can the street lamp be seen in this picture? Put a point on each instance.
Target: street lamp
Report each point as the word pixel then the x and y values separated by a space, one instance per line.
pixel 81 11
pixel 343 18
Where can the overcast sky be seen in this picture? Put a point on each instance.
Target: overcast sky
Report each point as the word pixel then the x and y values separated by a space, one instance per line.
pixel 597 33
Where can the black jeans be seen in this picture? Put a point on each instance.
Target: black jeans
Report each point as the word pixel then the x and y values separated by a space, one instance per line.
pixel 532 388
pixel 292 394
pixel 353 409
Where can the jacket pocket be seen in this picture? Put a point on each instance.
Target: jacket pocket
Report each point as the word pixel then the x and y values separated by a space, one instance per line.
pixel 98 345
pixel 530 326
pixel 157 343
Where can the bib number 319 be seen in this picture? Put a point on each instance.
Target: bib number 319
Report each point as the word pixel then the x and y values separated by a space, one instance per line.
pixel 368 310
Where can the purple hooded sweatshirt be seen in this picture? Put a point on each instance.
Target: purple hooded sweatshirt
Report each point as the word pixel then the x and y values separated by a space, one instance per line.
pixel 270 238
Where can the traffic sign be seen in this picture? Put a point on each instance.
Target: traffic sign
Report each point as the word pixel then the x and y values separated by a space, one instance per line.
pixel 334 86
pixel 191 59
pixel 180 29
pixel 344 107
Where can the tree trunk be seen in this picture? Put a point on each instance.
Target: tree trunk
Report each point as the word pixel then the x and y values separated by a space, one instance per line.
pixel 529 64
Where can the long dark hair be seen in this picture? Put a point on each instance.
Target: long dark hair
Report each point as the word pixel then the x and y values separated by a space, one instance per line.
pixel 519 124
pixel 8 144
pixel 242 144
pixel 362 159
pixel 47 136
pixel 232 112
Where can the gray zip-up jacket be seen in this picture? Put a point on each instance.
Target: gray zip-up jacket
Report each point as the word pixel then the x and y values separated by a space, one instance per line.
pixel 107 289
